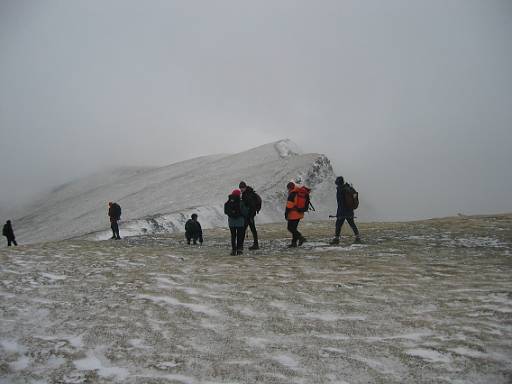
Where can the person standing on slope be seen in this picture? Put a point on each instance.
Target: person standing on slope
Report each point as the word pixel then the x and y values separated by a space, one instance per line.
pixel 237 213
pixel 193 230
pixel 114 212
pixel 344 212
pixel 293 215
pixel 8 232
pixel 253 201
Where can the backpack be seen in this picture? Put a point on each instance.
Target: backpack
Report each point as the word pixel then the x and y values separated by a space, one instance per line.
pixel 116 210
pixel 257 202
pixel 232 207
pixel 303 199
pixel 350 197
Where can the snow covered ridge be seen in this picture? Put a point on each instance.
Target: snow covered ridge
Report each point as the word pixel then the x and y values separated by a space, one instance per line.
pixel 161 199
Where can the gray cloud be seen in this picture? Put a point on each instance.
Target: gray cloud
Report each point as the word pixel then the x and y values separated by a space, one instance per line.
pixel 412 101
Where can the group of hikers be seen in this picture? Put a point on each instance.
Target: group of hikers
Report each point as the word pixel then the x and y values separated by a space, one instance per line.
pixel 242 206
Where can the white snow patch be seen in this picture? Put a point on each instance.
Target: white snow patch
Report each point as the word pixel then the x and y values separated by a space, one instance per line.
pixel 165 365
pixel 287 361
pixel 336 337
pixel 416 336
pixel 51 276
pixel 12 346
pixel 469 352
pixel 174 302
pixel 138 343
pixel 429 355
pixel 20 364
pixel 96 361
pixel 324 316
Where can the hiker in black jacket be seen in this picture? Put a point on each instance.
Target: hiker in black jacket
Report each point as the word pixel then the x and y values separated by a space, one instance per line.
pixel 193 230
pixel 253 201
pixel 114 212
pixel 9 233
pixel 343 213
pixel 237 213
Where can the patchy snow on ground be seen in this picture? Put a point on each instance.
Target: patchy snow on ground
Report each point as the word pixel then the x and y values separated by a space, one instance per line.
pixel 403 307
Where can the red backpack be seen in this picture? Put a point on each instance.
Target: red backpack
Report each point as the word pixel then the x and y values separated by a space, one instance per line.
pixel 303 200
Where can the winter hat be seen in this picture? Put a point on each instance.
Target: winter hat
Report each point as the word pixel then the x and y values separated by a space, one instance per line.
pixel 236 192
pixel 290 185
pixel 339 180
pixel 194 216
pixel 242 185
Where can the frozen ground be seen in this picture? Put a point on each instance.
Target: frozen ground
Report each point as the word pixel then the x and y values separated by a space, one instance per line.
pixel 423 302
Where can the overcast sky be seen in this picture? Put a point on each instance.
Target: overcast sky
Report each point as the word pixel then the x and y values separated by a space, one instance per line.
pixel 411 100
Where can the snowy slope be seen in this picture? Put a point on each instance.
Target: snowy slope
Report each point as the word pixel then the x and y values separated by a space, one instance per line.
pixel 161 199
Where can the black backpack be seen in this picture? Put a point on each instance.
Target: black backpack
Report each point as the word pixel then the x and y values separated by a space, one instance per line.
pixel 116 210
pixel 350 197
pixel 256 202
pixel 232 207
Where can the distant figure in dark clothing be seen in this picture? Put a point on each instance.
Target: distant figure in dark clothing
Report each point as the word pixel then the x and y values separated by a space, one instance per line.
pixel 343 213
pixel 237 213
pixel 9 233
pixel 253 201
pixel 114 212
pixel 193 230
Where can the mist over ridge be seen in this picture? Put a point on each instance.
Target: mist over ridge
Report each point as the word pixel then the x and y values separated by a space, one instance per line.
pixel 410 101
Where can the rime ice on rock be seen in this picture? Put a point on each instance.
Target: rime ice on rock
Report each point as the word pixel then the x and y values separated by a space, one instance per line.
pixel 286 148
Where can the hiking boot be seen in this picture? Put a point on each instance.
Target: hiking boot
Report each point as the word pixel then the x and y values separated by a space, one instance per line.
pixel 118 238
pixel 357 240
pixel 233 252
pixel 302 240
pixel 112 238
pixel 292 245
pixel 254 247
pixel 240 252
pixel 335 241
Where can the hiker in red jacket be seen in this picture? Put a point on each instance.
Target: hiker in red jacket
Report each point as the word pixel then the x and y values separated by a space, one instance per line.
pixel 293 215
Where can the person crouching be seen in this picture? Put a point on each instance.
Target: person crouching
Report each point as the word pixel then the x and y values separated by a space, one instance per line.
pixel 193 230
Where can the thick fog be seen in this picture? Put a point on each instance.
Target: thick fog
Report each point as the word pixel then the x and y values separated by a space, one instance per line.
pixel 411 100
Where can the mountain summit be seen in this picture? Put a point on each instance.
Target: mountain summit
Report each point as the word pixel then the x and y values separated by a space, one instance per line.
pixel 161 199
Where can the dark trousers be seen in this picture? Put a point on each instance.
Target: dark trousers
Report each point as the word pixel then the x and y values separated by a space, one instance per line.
pixel 350 221
pixel 252 225
pixel 292 228
pixel 237 238
pixel 11 240
pixel 192 236
pixel 115 229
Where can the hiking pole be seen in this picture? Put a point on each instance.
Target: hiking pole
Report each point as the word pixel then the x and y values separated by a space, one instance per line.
pixel 311 205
